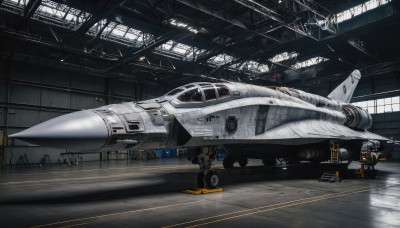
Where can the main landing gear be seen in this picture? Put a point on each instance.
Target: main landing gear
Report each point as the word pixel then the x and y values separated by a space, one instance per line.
pixel 208 181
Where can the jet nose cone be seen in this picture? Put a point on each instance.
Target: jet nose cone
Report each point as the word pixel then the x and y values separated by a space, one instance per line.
pixel 83 130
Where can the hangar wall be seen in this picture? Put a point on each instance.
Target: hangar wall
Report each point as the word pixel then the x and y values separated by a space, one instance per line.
pixel 32 94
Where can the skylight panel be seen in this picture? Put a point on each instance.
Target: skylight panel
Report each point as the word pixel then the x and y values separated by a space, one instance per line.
pixel 186 52
pixel 255 67
pixel 19 3
pixel 310 62
pixel 194 53
pixel 108 30
pixel 181 48
pixel 133 34
pixel 62 12
pixel 119 30
pixel 120 33
pixel 360 9
pixel 166 46
pixel 283 56
pixel 221 59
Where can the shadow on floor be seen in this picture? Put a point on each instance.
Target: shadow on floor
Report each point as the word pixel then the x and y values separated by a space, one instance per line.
pixel 174 182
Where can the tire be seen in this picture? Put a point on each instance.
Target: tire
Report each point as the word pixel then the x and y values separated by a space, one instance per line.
pixel 212 179
pixel 200 180
pixel 228 162
pixel 243 162
pixel 269 162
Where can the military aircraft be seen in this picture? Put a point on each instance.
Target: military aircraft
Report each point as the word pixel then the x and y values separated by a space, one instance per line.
pixel 249 121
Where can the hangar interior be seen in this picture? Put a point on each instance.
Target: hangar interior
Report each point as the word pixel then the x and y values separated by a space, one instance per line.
pixel 61 56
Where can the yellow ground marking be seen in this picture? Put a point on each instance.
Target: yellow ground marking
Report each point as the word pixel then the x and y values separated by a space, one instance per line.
pixel 115 214
pixel 274 207
pixel 80 224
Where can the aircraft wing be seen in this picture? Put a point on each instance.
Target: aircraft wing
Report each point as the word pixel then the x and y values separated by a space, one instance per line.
pixel 314 130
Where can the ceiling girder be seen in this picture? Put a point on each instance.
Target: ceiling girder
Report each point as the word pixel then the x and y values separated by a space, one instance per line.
pixel 219 15
pixel 238 60
pixel 298 28
pixel 31 8
pixel 108 9
pixel 357 44
pixel 157 42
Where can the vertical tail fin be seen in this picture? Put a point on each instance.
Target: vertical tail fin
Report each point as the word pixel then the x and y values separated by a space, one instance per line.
pixel 345 90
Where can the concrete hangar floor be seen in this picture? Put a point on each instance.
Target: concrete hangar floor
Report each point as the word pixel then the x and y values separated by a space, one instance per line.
pixel 148 194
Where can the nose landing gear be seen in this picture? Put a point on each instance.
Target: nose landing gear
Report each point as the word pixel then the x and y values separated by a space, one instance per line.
pixel 208 181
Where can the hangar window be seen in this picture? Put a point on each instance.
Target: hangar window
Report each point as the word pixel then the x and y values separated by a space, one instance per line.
pixel 252 66
pixel 52 12
pixel 310 62
pixel 223 91
pixel 360 9
pixel 221 59
pixel 283 56
pixel 19 2
pixel 210 94
pixel 193 95
pixel 118 33
pixel 390 104
pixel 175 49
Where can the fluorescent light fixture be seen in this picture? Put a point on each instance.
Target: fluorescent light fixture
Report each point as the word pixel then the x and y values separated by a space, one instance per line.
pixel 180 24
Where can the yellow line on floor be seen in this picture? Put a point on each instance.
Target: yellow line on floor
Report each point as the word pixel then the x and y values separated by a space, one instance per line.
pixel 115 214
pixel 257 211
pixel 80 224
pixel 266 206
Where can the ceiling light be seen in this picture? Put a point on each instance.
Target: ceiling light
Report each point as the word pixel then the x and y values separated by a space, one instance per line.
pixel 183 25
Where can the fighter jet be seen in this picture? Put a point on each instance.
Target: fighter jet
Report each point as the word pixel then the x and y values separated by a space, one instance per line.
pixel 249 121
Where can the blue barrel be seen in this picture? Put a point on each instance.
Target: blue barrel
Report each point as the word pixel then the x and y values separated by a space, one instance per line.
pixel 173 153
pixel 221 156
pixel 167 153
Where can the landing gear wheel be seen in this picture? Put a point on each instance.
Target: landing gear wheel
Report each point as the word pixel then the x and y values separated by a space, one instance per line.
pixel 212 179
pixel 228 162
pixel 243 162
pixel 269 162
pixel 200 180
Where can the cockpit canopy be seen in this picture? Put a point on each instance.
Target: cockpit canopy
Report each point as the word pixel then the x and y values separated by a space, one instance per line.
pixel 199 93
